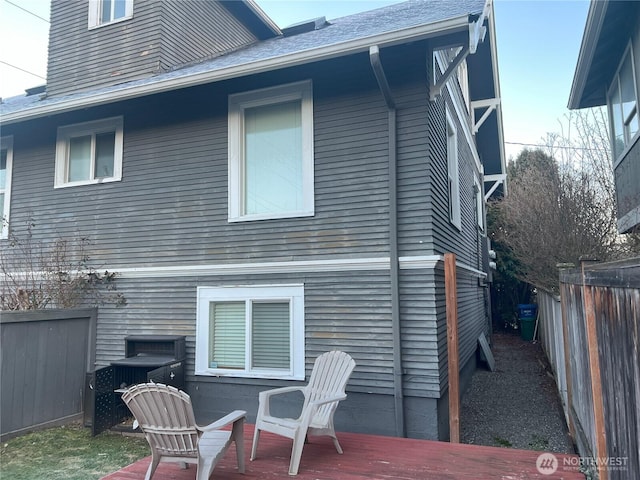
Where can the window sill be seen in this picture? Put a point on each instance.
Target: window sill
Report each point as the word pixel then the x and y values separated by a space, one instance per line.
pixel 104 24
pixel 242 374
pixel 88 182
pixel 252 218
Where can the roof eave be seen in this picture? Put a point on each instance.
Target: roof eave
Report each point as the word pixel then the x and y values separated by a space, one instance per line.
pixel 255 8
pixel 284 61
pixel 590 38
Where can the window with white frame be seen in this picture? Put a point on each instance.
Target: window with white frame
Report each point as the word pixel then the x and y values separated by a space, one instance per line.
pixel 479 196
pixel 623 104
pixel 463 81
pixel 453 180
pixel 251 331
pixel 6 164
pixel 271 153
pixel 104 12
pixel 89 152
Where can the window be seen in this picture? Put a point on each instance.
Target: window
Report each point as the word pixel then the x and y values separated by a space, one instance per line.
pixel 452 172
pixel 89 153
pixel 6 163
pixel 103 12
pixel 271 153
pixel 479 196
pixel 623 105
pixel 463 81
pixel 253 331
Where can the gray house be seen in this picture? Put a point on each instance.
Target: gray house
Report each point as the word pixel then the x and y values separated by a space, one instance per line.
pixel 293 189
pixel 608 73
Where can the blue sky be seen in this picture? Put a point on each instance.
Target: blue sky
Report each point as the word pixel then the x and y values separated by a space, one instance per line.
pixel 538 43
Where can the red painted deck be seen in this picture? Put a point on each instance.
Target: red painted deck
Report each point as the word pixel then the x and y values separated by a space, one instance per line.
pixel 368 457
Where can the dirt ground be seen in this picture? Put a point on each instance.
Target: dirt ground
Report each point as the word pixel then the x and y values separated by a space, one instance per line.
pixel 518 405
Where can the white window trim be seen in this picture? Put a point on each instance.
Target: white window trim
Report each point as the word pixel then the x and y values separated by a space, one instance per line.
pixel 237 103
pixel 479 196
pixel 67 132
pixel 95 6
pixel 7 143
pixel 616 81
pixel 453 172
pixel 293 293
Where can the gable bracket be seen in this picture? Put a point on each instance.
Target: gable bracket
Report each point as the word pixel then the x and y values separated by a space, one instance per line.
pixel 497 180
pixel 477 30
pixel 436 88
pixel 490 104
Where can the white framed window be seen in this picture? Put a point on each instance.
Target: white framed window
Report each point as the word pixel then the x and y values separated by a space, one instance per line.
pixel 479 196
pixel 463 81
pixel 271 153
pixel 453 179
pixel 6 168
pixel 105 12
pixel 89 152
pixel 251 331
pixel 623 104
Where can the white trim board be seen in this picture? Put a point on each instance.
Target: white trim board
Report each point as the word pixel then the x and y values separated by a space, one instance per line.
pixel 297 266
pixel 419 262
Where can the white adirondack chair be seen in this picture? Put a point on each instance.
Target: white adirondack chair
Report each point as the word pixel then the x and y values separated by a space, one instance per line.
pixel 165 416
pixel 329 377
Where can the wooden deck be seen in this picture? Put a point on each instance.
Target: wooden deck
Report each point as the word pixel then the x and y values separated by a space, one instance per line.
pixel 368 457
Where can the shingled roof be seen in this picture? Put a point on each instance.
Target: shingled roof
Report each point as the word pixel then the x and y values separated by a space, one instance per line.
pixel 395 24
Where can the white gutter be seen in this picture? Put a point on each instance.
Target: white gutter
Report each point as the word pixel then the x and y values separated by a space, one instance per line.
pixel 387 39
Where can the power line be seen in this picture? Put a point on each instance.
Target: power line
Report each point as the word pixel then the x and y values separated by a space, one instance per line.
pixel 28 11
pixel 22 69
pixel 556 146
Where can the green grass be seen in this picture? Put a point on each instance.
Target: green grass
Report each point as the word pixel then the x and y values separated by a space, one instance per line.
pixel 538 443
pixel 502 442
pixel 68 453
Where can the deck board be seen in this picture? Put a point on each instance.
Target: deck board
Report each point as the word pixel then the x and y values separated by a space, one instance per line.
pixel 368 457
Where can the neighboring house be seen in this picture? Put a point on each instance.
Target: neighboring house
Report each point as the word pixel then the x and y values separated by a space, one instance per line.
pixel 608 73
pixel 294 188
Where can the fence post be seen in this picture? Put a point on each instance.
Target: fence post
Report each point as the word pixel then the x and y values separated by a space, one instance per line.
pixel 452 346
pixel 596 381
pixel 567 358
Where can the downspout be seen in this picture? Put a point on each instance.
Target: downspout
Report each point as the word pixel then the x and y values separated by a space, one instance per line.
pixel 374 57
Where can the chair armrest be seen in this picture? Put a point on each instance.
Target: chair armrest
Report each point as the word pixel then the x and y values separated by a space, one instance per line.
pixel 335 398
pixel 278 391
pixel 224 421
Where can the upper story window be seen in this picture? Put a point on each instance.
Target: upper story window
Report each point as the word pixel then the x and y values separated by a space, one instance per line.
pixel 271 153
pixel 251 331
pixel 6 163
pixel 623 104
pixel 453 178
pixel 102 12
pixel 89 152
pixel 463 81
pixel 479 196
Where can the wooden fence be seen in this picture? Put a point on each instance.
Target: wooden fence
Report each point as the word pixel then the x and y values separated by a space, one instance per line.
pixel 591 336
pixel 45 355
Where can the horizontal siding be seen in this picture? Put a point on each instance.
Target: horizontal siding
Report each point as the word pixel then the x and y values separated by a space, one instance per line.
pixel 472 319
pixel 159 36
pixel 627 178
pixel 81 59
pixel 171 206
pixel 171 209
pixel 350 312
pixel 419 333
pixel 195 29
